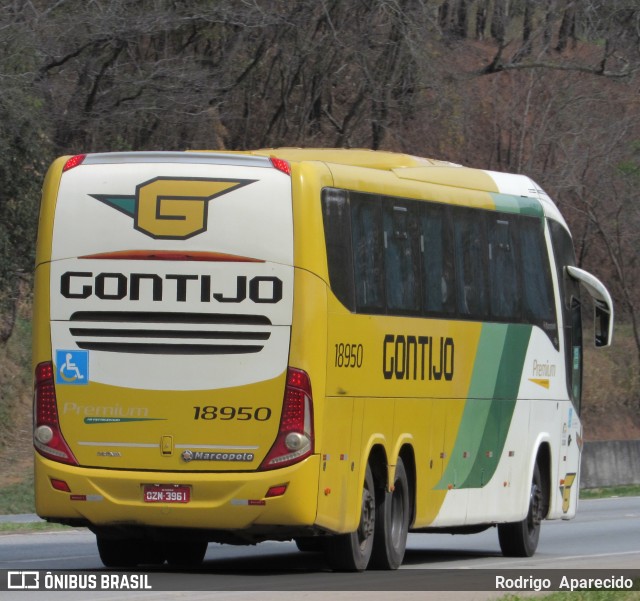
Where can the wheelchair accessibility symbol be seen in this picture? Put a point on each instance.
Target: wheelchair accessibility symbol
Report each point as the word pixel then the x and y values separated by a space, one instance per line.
pixel 72 367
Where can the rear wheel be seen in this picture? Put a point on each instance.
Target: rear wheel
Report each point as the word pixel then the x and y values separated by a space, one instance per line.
pixel 520 539
pixel 351 552
pixel 392 523
pixel 309 544
pixel 129 552
pixel 185 554
pixel 119 553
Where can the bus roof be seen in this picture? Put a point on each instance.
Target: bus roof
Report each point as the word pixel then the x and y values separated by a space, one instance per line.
pixel 410 167
pixel 403 166
pixel 355 157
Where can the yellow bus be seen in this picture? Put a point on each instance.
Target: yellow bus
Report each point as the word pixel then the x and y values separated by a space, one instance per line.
pixel 333 346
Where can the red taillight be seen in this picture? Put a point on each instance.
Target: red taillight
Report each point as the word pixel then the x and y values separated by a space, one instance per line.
pixel 47 437
pixel 281 165
pixel 295 434
pixel 74 162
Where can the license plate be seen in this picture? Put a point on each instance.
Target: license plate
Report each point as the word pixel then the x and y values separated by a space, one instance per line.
pixel 166 493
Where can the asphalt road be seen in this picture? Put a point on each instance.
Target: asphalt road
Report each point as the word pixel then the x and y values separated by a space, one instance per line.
pixel 605 535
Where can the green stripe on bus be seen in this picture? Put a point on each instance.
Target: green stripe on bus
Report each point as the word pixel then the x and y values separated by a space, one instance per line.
pixel 478 405
pixel 489 409
pixel 502 407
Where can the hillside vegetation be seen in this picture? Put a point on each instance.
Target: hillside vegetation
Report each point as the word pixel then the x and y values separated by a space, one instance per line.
pixel 549 88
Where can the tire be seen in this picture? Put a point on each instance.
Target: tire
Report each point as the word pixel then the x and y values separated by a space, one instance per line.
pixel 185 554
pixel 119 553
pixel 392 523
pixel 352 552
pixel 520 539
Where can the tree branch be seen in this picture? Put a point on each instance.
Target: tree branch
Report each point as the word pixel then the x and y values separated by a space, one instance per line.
pixel 497 66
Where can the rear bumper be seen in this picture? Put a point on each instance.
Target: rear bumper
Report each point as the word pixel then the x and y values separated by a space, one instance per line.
pixel 219 501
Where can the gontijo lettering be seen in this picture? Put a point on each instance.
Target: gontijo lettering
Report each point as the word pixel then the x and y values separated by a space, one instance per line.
pixel 178 287
pixel 417 357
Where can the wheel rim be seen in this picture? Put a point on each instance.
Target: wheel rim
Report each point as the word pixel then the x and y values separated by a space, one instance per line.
pixel 534 518
pixel 367 521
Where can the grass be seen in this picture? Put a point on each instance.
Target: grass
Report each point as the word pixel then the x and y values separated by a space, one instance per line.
pixel 613 491
pixel 29 527
pixel 17 498
pixel 633 595
pixel 15 377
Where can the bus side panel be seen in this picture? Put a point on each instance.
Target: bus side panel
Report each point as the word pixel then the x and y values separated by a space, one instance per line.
pixel 41 332
pixel 308 352
pixel 430 464
pixel 338 461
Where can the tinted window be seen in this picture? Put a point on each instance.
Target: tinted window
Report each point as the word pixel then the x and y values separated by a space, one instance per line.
pixel 406 257
pixel 337 233
pixel 538 294
pixel 469 257
pixel 402 260
pixel 572 320
pixel 366 229
pixel 504 285
pixel 438 289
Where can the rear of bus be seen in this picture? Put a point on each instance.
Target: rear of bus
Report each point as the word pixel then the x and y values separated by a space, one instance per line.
pixel 164 401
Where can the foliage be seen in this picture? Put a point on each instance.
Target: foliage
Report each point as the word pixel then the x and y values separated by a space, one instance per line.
pixel 15 393
pixel 546 88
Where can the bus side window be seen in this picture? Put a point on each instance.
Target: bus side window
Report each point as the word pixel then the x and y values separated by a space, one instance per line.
pixel 538 298
pixel 504 285
pixel 337 233
pixel 366 230
pixel 470 263
pixel 402 263
pixel 571 310
pixel 438 289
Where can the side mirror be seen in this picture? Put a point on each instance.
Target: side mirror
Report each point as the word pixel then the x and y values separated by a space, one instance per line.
pixel 603 311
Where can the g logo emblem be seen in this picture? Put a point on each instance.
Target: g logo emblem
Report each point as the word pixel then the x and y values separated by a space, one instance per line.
pixel 170 208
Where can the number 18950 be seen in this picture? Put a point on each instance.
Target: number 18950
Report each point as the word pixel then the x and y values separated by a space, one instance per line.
pixel 349 355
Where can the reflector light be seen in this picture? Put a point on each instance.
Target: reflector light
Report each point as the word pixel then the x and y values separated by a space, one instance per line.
pixel 60 485
pixel 295 434
pixel 276 491
pixel 281 165
pixel 46 418
pixel 74 162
